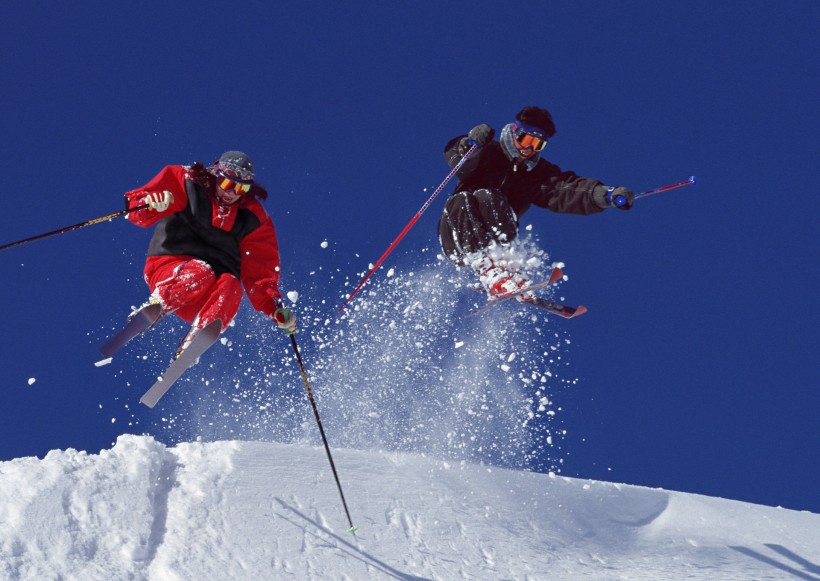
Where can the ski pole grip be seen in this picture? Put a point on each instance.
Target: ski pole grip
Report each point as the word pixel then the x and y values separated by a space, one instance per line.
pixel 619 201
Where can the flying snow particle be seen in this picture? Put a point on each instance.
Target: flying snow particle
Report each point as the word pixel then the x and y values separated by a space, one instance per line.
pixel 31 380
pixel 293 296
pixel 323 244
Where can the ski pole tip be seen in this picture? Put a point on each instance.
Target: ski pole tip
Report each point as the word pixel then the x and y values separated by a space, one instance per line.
pixel 693 180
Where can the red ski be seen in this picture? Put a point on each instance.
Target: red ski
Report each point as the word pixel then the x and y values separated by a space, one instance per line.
pixel 553 307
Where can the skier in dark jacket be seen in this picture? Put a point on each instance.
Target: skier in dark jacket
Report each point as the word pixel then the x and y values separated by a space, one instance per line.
pixel 211 237
pixel 497 184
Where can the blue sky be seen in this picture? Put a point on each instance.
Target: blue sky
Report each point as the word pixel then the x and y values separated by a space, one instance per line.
pixel 696 365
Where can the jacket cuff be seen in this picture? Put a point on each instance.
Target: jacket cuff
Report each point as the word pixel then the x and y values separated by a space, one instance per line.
pixel 599 196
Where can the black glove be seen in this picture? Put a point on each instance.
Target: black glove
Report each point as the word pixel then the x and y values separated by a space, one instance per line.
pixel 612 197
pixel 481 134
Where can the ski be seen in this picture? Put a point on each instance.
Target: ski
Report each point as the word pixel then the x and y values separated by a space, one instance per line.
pixel 142 320
pixel 201 342
pixel 553 307
pixel 555 276
pixel 559 309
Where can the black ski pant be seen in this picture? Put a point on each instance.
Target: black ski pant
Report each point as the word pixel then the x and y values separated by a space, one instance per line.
pixel 471 221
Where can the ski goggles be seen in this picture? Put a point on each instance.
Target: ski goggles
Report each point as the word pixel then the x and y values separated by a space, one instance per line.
pixel 229 183
pixel 528 136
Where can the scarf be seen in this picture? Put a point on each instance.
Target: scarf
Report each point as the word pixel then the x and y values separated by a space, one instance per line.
pixel 508 146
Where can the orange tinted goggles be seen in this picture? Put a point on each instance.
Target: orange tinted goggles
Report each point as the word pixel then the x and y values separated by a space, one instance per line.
pixel 525 140
pixel 228 184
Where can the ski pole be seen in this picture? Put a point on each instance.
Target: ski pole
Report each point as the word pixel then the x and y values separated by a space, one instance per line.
pixel 409 225
pixel 74 227
pixel 621 200
pixel 352 528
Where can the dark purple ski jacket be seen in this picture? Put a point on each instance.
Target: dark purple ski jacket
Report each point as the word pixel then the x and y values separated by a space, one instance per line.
pixel 545 186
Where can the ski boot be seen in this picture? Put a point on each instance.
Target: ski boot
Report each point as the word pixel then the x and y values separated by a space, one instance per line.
pixel 498 280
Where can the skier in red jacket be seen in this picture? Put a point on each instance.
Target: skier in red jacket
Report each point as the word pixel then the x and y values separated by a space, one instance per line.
pixel 211 237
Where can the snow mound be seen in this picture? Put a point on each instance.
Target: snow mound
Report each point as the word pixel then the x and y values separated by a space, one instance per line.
pixel 252 510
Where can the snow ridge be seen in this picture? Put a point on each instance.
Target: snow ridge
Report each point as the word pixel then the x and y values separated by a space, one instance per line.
pixel 254 510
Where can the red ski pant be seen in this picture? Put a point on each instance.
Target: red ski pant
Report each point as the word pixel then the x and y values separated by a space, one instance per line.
pixel 190 288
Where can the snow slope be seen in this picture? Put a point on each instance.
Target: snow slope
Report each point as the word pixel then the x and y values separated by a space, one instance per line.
pixel 251 510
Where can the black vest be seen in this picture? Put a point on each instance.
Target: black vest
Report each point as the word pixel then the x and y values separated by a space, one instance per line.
pixel 191 232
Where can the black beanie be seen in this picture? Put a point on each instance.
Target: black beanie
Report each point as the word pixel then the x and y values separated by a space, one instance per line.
pixel 238 163
pixel 537 117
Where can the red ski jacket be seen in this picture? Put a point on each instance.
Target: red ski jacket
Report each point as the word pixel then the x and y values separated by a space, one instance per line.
pixel 239 239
